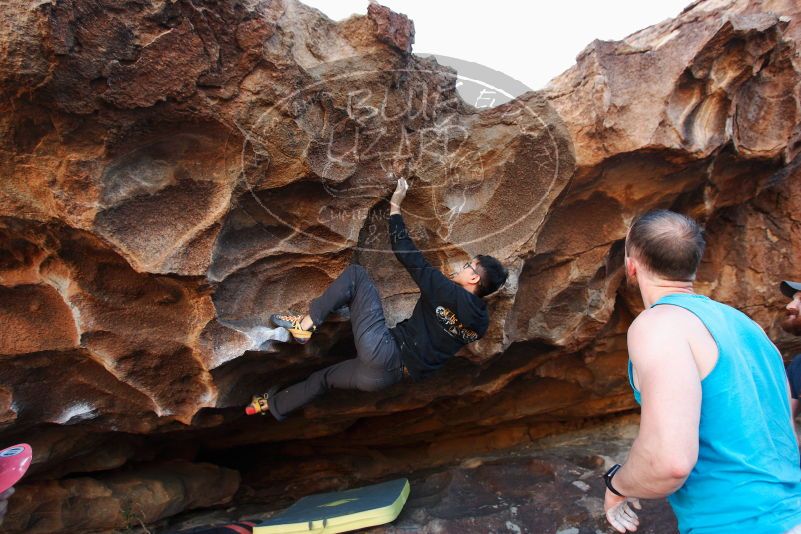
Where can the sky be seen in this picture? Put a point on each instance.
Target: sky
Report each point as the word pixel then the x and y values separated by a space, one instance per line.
pixel 532 41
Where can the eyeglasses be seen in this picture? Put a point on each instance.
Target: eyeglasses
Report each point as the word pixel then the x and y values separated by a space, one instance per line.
pixel 469 265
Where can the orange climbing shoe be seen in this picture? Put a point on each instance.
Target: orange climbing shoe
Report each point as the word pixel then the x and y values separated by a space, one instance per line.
pixel 260 403
pixel 257 405
pixel 291 321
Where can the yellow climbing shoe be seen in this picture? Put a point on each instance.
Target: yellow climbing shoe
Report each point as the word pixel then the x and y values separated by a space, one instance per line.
pixel 291 321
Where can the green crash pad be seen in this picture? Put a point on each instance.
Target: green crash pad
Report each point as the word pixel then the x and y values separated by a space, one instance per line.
pixel 340 511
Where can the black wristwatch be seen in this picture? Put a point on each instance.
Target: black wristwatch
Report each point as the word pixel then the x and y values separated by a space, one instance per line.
pixel 608 479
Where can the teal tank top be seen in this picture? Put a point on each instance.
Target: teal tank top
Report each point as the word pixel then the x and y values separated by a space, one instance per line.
pixel 747 478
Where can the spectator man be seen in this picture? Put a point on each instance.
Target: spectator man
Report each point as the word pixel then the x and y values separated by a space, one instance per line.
pixel 716 435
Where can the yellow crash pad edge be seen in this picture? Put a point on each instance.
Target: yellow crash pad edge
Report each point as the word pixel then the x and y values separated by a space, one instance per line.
pixel 344 523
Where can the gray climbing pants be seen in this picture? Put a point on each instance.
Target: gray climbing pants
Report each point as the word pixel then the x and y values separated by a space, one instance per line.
pixel 378 361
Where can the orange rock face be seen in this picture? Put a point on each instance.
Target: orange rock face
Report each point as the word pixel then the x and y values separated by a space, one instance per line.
pixel 173 173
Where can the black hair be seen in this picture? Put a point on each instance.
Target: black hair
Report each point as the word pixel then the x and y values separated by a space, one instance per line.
pixel 668 243
pixel 493 275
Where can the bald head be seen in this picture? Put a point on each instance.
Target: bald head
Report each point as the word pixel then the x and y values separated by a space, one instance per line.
pixel 668 244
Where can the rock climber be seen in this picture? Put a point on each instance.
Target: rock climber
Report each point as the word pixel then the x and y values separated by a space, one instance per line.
pixel 449 314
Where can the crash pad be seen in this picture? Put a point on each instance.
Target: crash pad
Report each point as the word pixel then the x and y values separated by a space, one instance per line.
pixel 340 511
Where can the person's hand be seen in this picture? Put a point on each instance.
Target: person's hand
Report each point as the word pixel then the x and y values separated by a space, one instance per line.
pixel 398 196
pixel 619 512
pixel 4 502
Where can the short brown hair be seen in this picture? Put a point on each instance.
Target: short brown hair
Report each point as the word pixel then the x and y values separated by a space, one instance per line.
pixel 668 243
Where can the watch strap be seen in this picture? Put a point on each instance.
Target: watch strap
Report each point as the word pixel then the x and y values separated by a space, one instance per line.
pixel 608 479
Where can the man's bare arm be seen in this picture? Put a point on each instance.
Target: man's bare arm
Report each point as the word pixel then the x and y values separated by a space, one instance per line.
pixel 666 448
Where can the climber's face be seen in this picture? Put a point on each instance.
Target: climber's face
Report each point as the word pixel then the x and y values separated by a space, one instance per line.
pixel 468 275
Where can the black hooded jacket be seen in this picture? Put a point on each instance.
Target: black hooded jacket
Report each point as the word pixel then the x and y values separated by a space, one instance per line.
pixel 445 318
